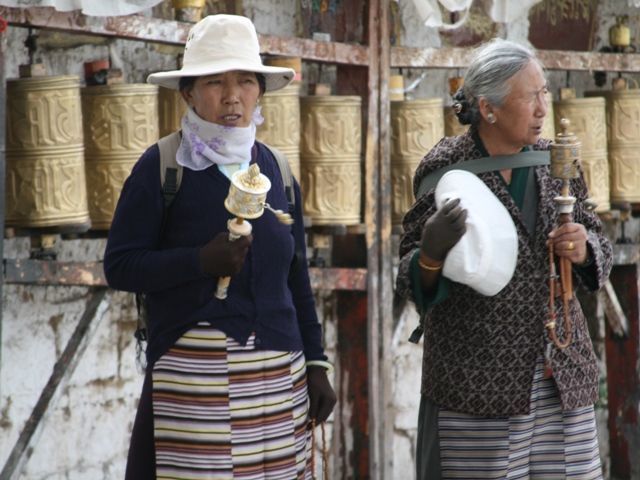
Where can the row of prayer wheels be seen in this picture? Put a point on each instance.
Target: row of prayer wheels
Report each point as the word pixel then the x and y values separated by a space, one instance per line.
pixel 605 122
pixel 70 149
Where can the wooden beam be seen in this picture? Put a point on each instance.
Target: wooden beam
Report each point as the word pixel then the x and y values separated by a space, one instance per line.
pixel 458 57
pixel 386 428
pixel 3 147
pixel 62 371
pixel 137 27
pixel 51 272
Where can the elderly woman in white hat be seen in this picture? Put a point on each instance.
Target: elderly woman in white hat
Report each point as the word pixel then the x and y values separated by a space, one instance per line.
pixel 501 397
pixel 231 384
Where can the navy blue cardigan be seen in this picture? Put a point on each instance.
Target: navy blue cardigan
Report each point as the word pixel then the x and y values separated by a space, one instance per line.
pixel 261 298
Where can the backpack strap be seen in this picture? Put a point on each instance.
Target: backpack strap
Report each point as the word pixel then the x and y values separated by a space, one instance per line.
pixel 487 164
pixel 170 171
pixel 287 176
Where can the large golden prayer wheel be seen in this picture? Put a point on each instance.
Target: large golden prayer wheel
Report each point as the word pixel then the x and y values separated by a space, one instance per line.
pixel 623 139
pixel 416 126
pixel 330 165
pixel 281 127
pixel 588 124
pixel 171 109
pixel 45 174
pixel 120 123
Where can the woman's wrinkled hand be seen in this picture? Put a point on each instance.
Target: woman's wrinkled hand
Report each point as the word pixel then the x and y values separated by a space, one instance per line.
pixel 322 398
pixel 222 258
pixel 570 240
pixel 443 230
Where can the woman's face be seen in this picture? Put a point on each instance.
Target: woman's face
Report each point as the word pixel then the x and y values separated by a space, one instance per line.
pixel 520 118
pixel 227 99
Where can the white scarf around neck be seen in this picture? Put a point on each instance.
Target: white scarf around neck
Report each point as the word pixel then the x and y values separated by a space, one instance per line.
pixel 204 143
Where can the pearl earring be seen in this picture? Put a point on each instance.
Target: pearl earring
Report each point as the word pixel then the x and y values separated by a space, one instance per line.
pixel 491 118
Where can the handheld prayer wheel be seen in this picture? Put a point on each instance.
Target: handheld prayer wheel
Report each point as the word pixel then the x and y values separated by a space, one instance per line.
pixel 565 158
pixel 416 126
pixel 589 124
pixel 120 123
pixel 330 164
pixel 246 199
pixel 171 110
pixel 45 171
pixel 623 139
pixel 281 127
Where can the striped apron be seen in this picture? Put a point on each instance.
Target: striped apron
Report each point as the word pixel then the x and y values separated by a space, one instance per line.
pixel 546 444
pixel 223 411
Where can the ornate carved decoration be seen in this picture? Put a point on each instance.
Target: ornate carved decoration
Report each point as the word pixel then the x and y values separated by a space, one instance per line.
pixel 45 185
pixel 416 126
pixel 330 165
pixel 623 138
pixel 588 124
pixel 281 127
pixel 120 123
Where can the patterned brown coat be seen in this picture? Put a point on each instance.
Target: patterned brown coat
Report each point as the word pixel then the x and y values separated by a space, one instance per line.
pixel 480 352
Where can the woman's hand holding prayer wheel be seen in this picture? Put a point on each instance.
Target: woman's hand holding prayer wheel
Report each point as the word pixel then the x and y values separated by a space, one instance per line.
pixel 222 258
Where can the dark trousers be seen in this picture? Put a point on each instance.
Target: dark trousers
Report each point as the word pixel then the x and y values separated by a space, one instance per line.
pixel 428 446
pixel 141 462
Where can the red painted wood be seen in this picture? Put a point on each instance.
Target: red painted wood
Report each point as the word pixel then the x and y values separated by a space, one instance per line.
pixel 353 390
pixel 622 377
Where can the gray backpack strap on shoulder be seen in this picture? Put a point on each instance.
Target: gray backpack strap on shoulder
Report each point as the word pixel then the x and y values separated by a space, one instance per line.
pixel 170 171
pixel 287 176
pixel 487 164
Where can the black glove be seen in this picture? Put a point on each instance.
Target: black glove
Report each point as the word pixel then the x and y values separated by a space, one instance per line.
pixel 443 230
pixel 222 258
pixel 322 398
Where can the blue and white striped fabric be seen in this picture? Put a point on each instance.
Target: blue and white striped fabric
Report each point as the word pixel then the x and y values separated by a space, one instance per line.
pixel 547 444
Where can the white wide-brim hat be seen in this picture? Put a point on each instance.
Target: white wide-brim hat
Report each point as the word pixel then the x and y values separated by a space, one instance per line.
pixel 486 255
pixel 223 43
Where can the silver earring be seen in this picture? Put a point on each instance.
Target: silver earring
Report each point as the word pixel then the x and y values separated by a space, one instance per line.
pixel 258 101
pixel 491 118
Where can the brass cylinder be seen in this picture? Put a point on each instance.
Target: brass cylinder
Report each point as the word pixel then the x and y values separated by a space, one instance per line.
pixel 549 126
pixel 396 87
pixel 623 140
pixel 416 126
pixel 281 127
pixel 120 123
pixel 171 109
pixel 45 174
pixel 330 165
pixel 588 124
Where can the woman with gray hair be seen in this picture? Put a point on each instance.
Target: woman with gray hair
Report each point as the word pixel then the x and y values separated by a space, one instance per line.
pixel 501 398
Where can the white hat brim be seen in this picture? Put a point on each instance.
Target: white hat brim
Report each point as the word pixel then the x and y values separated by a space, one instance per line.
pixel 275 77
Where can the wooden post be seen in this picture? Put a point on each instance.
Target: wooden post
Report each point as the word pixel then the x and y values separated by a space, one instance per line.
pixel 3 147
pixel 623 378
